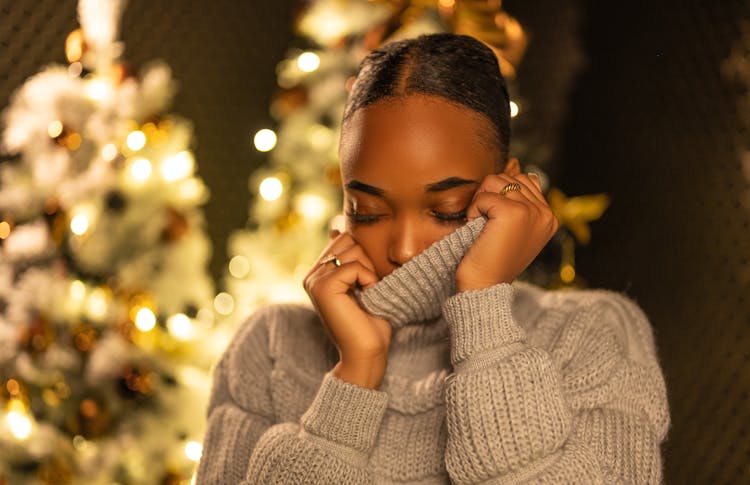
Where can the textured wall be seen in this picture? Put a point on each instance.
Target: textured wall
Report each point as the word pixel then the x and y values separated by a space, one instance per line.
pixel 652 122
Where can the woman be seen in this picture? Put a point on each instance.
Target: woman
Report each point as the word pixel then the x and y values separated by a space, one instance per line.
pixel 423 358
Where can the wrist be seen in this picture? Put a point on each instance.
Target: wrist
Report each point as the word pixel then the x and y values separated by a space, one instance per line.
pixel 367 374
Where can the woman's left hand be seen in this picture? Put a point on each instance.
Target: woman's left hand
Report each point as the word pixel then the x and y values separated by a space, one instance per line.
pixel 519 225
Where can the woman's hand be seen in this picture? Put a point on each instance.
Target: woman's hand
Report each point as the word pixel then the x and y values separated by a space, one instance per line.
pixel 519 225
pixel 362 339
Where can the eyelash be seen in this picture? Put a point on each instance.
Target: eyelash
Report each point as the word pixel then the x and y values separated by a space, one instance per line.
pixel 442 217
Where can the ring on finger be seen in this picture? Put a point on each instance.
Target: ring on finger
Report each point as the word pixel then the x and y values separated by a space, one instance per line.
pixel 331 258
pixel 510 187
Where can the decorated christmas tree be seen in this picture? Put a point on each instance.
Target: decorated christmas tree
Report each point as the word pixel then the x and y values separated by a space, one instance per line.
pixel 103 283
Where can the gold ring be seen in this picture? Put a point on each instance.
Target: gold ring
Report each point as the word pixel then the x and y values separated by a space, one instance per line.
pixel 329 258
pixel 510 187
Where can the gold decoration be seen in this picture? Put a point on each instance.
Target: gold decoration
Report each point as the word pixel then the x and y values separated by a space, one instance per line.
pixel 576 212
pixel 75 46
pixel 482 19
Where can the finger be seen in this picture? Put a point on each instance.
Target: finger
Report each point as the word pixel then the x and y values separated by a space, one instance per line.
pixel 488 203
pixel 346 276
pixel 496 182
pixel 533 185
pixel 356 253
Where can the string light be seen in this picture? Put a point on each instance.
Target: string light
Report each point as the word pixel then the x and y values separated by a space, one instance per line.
pixel 145 319
pixel 311 206
pixel 308 61
pixel 193 450
pixel 97 89
pixel 141 169
pixel 513 109
pixel 177 166
pixel 270 188
pixel 79 224
pixel 136 140
pixel 77 290
pixel 4 229
pixel 239 266
pixel 264 140
pixel 55 129
pixel 109 152
pixel 180 326
pixel 96 304
pixel 17 419
pixel 224 303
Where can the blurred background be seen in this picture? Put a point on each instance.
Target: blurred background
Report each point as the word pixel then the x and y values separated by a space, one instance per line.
pixel 164 162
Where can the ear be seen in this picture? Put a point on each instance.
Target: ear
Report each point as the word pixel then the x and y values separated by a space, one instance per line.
pixel 513 167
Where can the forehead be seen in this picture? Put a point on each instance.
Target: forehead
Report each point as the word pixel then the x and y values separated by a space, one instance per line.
pixel 421 137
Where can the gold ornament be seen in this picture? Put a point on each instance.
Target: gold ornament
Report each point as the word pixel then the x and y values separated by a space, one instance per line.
pixel 576 212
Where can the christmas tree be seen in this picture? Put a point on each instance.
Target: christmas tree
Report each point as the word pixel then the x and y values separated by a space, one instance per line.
pixel 103 282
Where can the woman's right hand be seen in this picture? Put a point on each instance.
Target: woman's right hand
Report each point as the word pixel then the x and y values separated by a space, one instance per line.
pixel 362 339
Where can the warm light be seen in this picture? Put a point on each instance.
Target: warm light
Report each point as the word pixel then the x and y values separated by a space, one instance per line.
pixel 567 273
pixel 264 140
pixel 191 189
pixel 239 266
pixel 17 419
pixel 193 450
pixel 270 188
pixel 513 109
pixel 205 316
pixel 77 290
pixel 145 319
pixel 73 141
pixel 447 3
pixel 96 304
pixel 55 129
pixel 4 229
pixel 109 152
pixel 224 303
pixel 311 206
pixel 180 326
pixel 141 169
pixel 320 136
pixel 136 140
pixel 177 166
pixel 97 89
pixel 308 61
pixel 79 224
pixel 75 69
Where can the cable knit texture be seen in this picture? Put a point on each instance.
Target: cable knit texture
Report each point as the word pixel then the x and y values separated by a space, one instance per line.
pixel 506 384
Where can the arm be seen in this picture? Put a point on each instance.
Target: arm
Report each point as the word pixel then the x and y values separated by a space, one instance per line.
pixel 592 410
pixel 243 444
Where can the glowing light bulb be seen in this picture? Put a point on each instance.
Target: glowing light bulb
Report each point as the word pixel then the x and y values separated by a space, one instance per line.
pixel 193 450
pixel 513 109
pixel 109 152
pixel 180 326
pixel 96 304
pixel 270 188
pixel 224 303
pixel 308 61
pixel 4 229
pixel 136 140
pixel 264 140
pixel 145 319
pixel 18 420
pixel 177 166
pixel 311 206
pixel 77 290
pixel 239 266
pixel 141 169
pixel 97 89
pixel 55 129
pixel 79 224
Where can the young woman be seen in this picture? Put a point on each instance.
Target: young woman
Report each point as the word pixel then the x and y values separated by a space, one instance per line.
pixel 423 359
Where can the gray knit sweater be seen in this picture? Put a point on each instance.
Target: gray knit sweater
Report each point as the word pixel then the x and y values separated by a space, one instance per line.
pixel 507 384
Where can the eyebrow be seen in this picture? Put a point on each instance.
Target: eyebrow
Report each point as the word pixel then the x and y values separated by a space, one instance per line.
pixel 440 186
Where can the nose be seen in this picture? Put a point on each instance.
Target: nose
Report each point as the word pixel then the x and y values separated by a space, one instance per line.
pixel 405 241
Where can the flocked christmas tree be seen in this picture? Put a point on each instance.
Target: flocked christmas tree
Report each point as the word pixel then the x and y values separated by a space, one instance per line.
pixel 103 281
pixel 297 194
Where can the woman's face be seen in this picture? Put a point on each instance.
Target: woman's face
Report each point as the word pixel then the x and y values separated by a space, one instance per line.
pixel 409 169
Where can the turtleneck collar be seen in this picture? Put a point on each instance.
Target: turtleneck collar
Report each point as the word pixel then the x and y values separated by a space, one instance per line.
pixel 414 293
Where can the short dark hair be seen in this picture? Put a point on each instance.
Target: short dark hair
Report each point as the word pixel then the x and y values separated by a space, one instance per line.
pixel 456 67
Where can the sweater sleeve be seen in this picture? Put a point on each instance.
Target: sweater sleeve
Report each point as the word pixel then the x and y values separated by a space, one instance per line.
pixel 244 444
pixel 591 410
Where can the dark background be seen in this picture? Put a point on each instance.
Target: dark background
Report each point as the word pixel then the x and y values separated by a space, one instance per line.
pixel 628 100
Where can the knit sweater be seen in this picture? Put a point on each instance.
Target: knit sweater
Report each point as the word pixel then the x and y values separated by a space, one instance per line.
pixel 506 384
